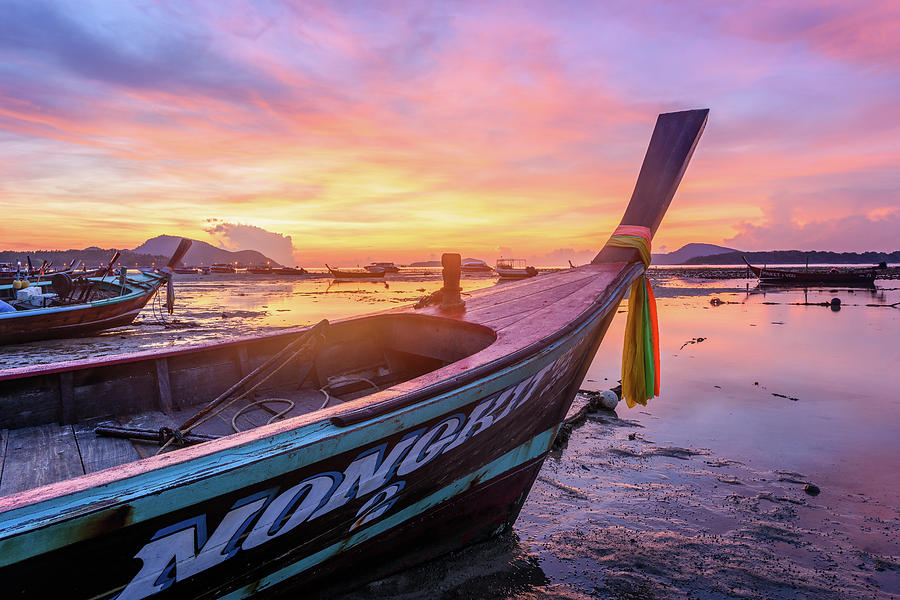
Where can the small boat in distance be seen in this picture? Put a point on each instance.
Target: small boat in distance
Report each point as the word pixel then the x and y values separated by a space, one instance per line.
pixel 855 277
pixel 475 266
pixel 409 433
pixel 514 268
pixel 340 274
pixel 222 268
pixel 387 267
pixel 283 271
pixel 288 271
pixel 186 270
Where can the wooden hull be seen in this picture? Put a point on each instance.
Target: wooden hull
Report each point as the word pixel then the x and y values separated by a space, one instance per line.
pixel 75 321
pixel 515 273
pixel 460 460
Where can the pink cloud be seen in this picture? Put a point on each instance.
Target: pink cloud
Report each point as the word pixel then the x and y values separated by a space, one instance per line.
pixel 852 233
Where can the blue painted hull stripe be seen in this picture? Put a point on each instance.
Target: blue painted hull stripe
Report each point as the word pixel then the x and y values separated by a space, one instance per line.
pixel 531 449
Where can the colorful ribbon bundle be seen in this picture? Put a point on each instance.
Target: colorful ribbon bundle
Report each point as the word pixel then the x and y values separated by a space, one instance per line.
pixel 640 356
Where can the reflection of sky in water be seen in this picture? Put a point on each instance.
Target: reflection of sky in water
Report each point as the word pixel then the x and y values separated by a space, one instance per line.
pixel 841 366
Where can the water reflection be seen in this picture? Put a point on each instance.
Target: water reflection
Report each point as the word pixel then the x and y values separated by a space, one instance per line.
pixel 223 306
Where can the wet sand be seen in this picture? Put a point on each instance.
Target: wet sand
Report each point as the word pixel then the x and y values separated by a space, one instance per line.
pixel 700 494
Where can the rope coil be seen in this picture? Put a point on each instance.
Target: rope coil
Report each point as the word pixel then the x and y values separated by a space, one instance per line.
pixel 640 354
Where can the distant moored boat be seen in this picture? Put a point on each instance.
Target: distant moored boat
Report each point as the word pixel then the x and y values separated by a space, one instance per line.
pixel 387 267
pixel 476 266
pixel 766 275
pixel 340 274
pixel 222 268
pixel 514 268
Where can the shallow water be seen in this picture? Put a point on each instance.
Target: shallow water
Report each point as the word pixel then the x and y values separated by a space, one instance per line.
pixel 707 500
pixel 223 306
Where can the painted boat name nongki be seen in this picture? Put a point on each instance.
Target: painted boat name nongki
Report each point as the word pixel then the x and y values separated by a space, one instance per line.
pixel 279 511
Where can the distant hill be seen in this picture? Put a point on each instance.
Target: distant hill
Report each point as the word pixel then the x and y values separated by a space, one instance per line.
pixel 797 257
pixel 201 253
pixel 91 257
pixel 690 252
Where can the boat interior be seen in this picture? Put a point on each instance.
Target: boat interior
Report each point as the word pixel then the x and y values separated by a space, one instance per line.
pixel 100 413
pixel 63 290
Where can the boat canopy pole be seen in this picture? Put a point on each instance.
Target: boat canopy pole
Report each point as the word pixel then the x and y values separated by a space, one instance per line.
pixel 671 146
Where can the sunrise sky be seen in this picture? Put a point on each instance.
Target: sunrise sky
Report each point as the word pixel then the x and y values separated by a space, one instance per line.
pixel 350 132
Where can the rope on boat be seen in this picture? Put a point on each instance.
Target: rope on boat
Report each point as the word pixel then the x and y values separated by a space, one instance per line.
pixel 307 342
pixel 640 354
pixel 327 398
pixel 324 388
pixel 156 304
pixel 262 404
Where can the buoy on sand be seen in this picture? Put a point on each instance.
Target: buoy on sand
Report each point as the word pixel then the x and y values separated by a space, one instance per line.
pixel 608 399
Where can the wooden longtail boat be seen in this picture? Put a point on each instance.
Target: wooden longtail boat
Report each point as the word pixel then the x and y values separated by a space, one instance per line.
pixel 387 267
pixel 416 432
pixel 514 268
pixel 856 277
pixel 290 271
pixel 81 305
pixel 369 274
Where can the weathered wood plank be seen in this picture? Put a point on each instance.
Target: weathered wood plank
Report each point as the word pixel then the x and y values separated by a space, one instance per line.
pixel 67 398
pixel 163 385
pixel 29 402
pixel 243 360
pixel 37 456
pixel 530 298
pixel 99 452
pixel 243 364
pixel 149 420
pixel 199 385
pixel 4 435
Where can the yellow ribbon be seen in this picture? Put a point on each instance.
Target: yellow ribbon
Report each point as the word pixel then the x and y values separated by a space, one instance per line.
pixel 640 354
